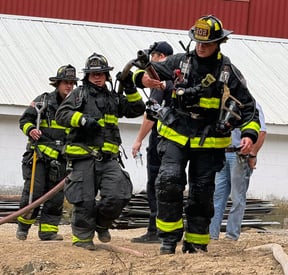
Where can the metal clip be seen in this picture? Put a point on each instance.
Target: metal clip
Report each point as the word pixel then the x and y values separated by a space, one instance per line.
pixel 242 158
pixel 97 155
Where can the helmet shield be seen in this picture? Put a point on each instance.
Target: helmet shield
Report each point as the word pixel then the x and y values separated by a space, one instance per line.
pixel 65 72
pixel 208 29
pixel 97 63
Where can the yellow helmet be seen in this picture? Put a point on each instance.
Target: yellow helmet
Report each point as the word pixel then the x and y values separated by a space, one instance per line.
pixel 208 29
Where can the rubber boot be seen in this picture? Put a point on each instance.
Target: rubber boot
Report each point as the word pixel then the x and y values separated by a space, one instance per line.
pixel 85 245
pixel 149 237
pixel 193 248
pixel 103 234
pixel 167 248
pixel 50 236
pixel 22 231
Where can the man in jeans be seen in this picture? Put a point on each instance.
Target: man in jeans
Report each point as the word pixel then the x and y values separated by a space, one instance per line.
pixel 234 178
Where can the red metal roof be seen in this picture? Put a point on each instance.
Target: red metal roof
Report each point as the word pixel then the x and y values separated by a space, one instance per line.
pixel 248 17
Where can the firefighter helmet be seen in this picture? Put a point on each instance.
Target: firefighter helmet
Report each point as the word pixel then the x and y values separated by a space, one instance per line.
pixel 208 29
pixel 65 72
pixel 97 63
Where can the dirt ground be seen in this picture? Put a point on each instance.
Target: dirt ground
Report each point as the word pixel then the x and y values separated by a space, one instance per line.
pixel 223 258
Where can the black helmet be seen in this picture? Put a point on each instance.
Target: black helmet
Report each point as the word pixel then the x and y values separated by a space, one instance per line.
pixel 97 63
pixel 65 72
pixel 208 29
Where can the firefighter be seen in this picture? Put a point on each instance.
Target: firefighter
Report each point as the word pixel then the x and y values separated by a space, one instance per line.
pixel 159 51
pixel 46 139
pixel 92 150
pixel 195 131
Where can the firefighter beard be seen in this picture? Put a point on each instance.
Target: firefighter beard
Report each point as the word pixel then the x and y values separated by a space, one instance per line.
pixel 170 184
pixel 87 178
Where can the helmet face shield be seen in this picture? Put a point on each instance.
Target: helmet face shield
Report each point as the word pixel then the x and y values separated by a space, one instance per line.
pixel 208 29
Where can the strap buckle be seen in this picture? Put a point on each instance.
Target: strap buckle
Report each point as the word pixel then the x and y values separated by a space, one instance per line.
pixel 97 155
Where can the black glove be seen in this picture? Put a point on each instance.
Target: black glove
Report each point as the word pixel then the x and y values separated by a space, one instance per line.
pixel 127 82
pixel 89 122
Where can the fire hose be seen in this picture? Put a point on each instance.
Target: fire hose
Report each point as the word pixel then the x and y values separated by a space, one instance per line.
pixel 35 203
pixel 141 62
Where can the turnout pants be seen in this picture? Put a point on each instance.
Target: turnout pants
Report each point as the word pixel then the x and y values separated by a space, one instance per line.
pixel 45 180
pixel 153 165
pixel 90 176
pixel 170 184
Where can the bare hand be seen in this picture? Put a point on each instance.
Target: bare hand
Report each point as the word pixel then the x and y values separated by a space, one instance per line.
pixel 136 148
pixel 152 83
pixel 35 134
pixel 246 145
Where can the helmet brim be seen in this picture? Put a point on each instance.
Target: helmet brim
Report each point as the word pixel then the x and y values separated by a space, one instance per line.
pixel 224 34
pixel 98 70
pixel 54 78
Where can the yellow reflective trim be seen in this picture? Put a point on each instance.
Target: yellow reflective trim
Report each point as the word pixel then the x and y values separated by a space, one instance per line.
pixel 219 55
pixel 53 124
pixel 112 119
pixel 134 97
pixel 75 119
pixel 209 22
pixel 26 127
pixel 78 150
pixel 45 227
pixel 135 74
pixel 25 221
pixel 209 103
pixel 169 226
pixel 171 134
pixel 101 122
pixel 217 26
pixel 252 125
pixel 196 238
pixel 211 142
pixel 110 147
pixel 48 151
pixel 77 240
pixel 174 94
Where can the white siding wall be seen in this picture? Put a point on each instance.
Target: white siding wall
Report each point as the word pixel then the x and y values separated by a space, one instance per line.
pixel 270 179
pixel 12 146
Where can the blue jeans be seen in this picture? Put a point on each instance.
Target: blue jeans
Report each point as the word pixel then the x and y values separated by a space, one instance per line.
pixel 232 179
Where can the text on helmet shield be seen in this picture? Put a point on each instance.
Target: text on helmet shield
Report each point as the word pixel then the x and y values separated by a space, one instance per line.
pixel 201 30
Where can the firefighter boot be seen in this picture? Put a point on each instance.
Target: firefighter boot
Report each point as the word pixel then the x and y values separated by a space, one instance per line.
pixel 167 247
pixel 22 231
pixel 50 236
pixel 193 248
pixel 149 237
pixel 85 245
pixel 103 234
